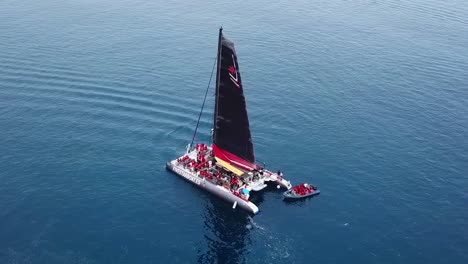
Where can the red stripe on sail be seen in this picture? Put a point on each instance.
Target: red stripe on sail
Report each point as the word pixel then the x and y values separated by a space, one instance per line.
pixel 233 159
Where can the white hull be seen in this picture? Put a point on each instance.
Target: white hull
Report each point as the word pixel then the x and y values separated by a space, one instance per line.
pixel 221 191
pixel 212 188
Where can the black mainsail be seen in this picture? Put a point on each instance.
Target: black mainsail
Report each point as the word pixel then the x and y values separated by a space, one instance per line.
pixel 231 123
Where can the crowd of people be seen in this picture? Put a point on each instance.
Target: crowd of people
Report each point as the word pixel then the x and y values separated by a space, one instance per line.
pixel 201 162
pixel 201 147
pixel 304 189
pixel 205 167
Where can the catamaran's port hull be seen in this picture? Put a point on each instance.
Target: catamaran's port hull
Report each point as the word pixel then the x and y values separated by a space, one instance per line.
pixel 212 188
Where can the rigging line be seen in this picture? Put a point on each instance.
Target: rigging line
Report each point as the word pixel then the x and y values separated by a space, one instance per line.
pixel 203 105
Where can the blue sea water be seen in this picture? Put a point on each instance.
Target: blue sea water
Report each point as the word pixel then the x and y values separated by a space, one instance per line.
pixel 367 99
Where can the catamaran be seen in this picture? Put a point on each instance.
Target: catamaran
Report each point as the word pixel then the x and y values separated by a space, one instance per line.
pixel 227 168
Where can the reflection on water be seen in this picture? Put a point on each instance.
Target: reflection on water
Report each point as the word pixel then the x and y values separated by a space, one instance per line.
pixel 301 201
pixel 227 233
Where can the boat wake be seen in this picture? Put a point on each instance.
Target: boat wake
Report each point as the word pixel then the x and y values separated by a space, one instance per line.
pixel 273 246
pixel 253 224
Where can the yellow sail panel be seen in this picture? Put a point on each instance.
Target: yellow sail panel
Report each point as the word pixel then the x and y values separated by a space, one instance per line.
pixel 229 167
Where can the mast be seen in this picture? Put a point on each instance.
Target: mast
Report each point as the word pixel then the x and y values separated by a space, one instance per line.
pixel 217 81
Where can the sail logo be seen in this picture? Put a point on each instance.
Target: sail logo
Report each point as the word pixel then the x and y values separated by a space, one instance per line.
pixel 233 73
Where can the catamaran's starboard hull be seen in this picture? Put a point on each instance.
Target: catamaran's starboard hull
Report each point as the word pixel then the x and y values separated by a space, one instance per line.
pixel 212 188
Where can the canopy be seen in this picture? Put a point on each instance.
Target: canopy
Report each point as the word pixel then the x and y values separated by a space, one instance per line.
pixel 229 167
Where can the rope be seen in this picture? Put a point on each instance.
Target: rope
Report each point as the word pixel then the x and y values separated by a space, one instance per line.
pixel 203 105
